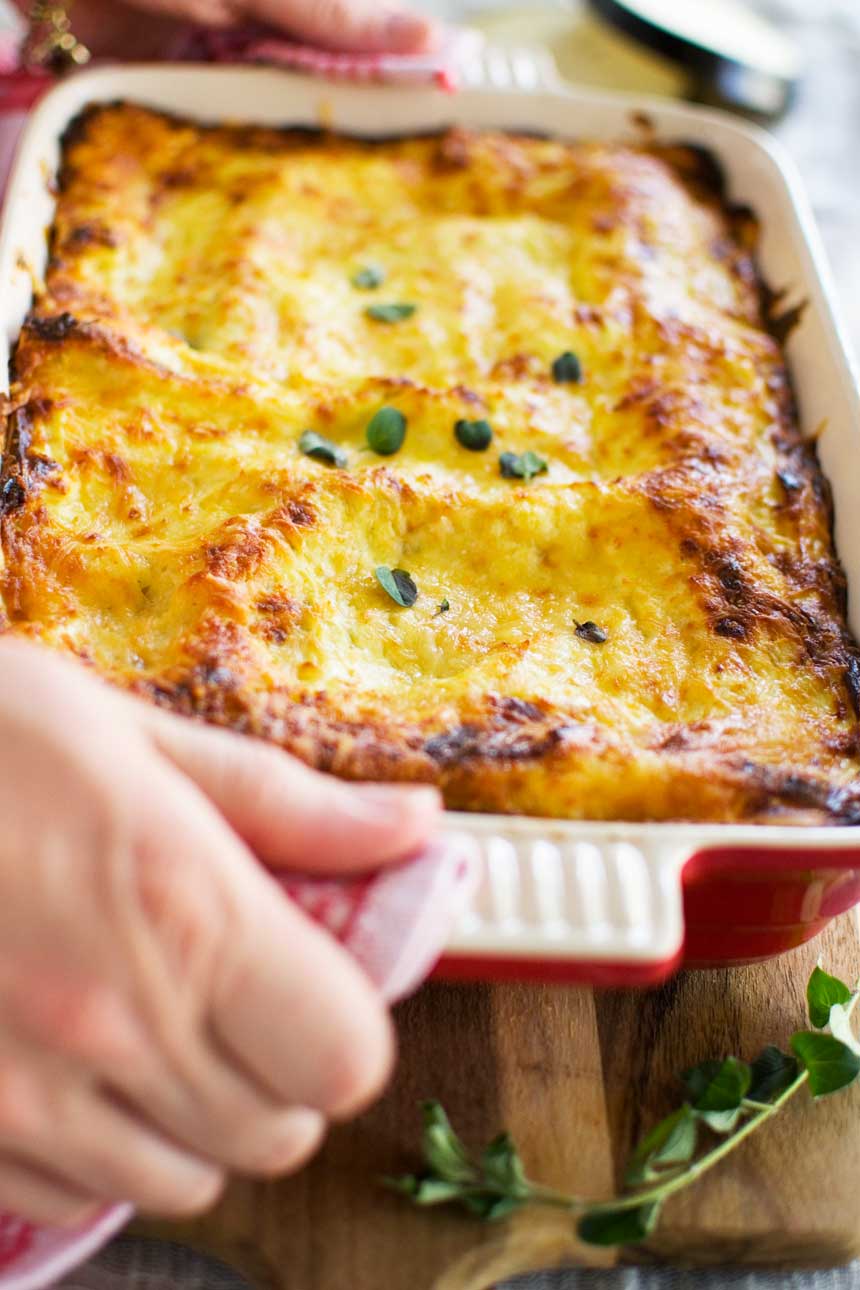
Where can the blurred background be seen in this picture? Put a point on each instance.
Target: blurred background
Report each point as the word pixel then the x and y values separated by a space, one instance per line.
pixel 821 126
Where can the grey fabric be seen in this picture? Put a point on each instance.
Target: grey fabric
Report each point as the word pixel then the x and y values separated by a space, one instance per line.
pixel 134 1264
pixel 675 1279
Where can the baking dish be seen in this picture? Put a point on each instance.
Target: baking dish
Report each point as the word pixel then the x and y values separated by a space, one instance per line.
pixel 606 903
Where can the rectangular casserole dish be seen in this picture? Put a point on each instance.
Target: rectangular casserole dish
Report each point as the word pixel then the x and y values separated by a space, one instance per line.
pixel 606 903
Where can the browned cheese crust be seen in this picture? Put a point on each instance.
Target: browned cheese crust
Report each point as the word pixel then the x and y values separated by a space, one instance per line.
pixel 161 523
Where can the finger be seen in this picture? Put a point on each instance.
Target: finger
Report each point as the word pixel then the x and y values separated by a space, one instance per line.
pixel 208 13
pixel 223 1117
pixel 166 1124
pixel 285 1004
pixel 255 1012
pixel 104 1150
pixel 295 1035
pixel 294 817
pixel 354 25
pixel 33 1194
pixel 294 1008
pixel 55 1115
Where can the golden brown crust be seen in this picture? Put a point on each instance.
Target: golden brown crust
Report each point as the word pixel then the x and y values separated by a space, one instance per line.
pixel 159 521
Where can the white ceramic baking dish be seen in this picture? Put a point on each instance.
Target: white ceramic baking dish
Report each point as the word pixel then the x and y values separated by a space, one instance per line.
pixel 597 902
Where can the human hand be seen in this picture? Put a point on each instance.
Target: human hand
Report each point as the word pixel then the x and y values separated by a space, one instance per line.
pixel 166 1015
pixel 144 28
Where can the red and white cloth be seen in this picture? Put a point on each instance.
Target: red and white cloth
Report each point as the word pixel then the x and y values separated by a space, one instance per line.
pixel 396 923
pixel 21 88
pixel 254 44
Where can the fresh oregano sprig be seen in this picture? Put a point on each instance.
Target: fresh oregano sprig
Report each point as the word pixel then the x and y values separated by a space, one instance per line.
pixel 727 1101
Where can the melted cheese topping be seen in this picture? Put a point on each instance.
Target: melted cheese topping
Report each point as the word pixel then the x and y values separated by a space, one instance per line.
pixel 162 523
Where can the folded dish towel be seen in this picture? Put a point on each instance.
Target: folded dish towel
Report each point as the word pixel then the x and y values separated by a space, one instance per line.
pixel 263 45
pixel 395 924
pixel 20 87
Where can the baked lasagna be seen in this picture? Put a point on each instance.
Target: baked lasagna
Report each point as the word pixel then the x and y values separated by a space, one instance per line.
pixel 468 458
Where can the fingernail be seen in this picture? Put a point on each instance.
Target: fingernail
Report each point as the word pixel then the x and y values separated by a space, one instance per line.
pixel 408 33
pixel 393 799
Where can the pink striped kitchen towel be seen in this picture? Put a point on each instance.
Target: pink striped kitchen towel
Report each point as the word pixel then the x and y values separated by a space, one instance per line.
pixel 262 45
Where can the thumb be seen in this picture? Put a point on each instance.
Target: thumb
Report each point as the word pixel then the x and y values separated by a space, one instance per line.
pixel 358 26
pixel 293 817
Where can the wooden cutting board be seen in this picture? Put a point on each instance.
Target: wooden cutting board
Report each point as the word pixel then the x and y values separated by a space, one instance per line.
pixel 577 1077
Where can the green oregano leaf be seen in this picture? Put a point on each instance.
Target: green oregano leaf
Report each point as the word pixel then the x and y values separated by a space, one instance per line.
pixel 670 1143
pixel 479 1203
pixel 521 466
pixel 567 369
pixel 474 435
pixel 399 585
pixel 619 1226
pixel 443 1150
pixel 822 992
pixel 717 1086
pixel 840 1024
pixel 406 1185
pixel 830 1064
pixel 772 1072
pixel 368 277
pixel 321 449
pixel 502 1167
pixel 489 1206
pixel 503 1207
pixel 436 1191
pixel 386 431
pixel 720 1121
pixel 390 313
pixel 532 464
pixel 444 606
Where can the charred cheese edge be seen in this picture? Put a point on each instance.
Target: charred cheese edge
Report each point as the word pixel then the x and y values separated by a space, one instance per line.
pixel 161 523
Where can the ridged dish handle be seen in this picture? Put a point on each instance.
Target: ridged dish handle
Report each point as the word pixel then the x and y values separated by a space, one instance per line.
pixel 542 894
pixel 525 69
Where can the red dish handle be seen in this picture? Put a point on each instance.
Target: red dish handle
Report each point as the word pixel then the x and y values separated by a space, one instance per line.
pixel 745 904
pixel 557 903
